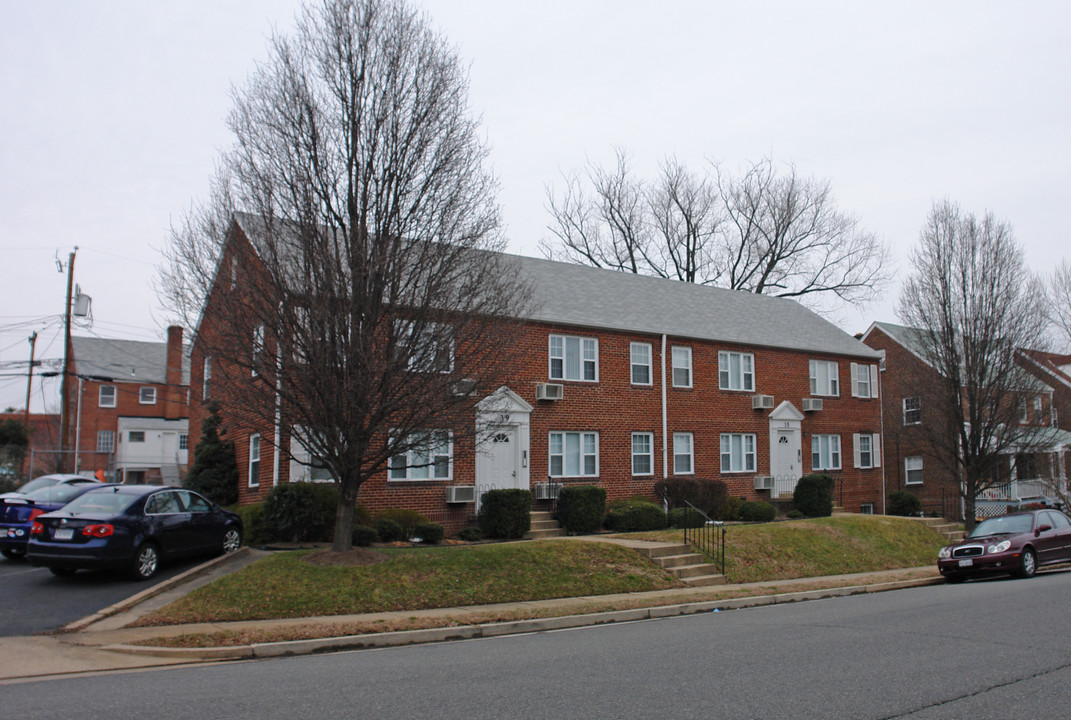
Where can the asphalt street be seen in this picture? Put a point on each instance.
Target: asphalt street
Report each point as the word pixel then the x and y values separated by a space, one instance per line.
pixel 991 649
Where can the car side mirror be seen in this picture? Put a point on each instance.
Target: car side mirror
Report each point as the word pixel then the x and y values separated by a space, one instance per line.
pixel 1043 528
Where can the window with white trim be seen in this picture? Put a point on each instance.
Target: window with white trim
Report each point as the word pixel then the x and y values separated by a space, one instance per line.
pixel 183 441
pixel 681 358
pixel 825 452
pixel 825 377
pixel 254 460
pixel 912 410
pixel 736 371
pixel 867 450
pixel 574 358
pixel 429 346
pixel 107 396
pixel 913 470
pixel 147 396
pixel 430 457
pixel 642 453
pixel 206 385
pixel 640 362
pixel 864 380
pixel 683 453
pixel 574 454
pixel 105 441
pixel 737 452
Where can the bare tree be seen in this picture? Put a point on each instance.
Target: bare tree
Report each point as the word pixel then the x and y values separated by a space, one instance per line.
pixel 366 305
pixel 1059 301
pixel 763 232
pixel 974 305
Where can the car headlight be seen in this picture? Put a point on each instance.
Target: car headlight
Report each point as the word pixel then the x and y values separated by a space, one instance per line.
pixel 999 547
pixel 946 552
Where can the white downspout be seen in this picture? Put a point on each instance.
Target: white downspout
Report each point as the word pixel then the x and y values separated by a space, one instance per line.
pixel 881 412
pixel 665 421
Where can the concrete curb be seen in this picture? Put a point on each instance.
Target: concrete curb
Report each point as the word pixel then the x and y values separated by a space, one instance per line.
pixel 469 632
pixel 157 589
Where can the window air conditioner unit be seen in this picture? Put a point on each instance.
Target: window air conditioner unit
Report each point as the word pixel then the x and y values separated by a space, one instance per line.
pixel 762 402
pixel 812 404
pixel 764 482
pixel 460 493
pixel 547 491
pixel 550 391
pixel 463 388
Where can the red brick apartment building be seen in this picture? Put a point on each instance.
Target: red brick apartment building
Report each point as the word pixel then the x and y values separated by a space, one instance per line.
pixel 625 380
pixel 129 411
pixel 910 462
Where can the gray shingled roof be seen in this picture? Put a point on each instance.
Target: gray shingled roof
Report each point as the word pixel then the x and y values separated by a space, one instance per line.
pixel 583 296
pixel 125 360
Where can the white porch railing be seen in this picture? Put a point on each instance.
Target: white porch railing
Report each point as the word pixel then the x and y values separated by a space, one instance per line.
pixel 1018 490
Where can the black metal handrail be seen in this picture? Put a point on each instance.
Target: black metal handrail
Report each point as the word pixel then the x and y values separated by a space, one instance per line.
pixel 708 537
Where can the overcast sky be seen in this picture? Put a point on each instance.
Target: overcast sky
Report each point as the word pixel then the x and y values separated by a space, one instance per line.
pixel 112 115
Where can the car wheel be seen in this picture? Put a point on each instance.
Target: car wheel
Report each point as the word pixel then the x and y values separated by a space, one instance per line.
pixel 63 571
pixel 1030 564
pixel 12 553
pixel 146 562
pixel 232 540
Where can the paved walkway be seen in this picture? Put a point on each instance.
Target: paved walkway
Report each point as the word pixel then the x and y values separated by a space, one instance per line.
pixel 102 642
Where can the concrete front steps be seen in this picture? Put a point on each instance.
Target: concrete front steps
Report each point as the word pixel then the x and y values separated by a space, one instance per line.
pixel 681 562
pixel 953 532
pixel 544 526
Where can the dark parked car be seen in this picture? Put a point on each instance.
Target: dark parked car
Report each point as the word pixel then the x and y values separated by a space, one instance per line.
pixel 133 527
pixel 19 509
pixel 1018 544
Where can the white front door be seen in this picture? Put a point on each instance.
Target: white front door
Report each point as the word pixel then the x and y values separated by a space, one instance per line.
pixel 786 451
pixel 502 460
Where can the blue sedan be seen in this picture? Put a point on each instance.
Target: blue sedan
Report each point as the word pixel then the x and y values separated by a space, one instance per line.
pixel 134 527
pixel 18 509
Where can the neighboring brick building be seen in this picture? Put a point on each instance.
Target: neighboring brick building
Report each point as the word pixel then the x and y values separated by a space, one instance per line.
pixel 650 378
pixel 910 463
pixel 129 411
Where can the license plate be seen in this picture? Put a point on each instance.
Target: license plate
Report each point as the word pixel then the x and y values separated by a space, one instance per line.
pixel 966 563
pixel 63 534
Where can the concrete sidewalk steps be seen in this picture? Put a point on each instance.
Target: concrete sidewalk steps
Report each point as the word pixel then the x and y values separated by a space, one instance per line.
pixel 544 526
pixel 683 563
pixel 953 532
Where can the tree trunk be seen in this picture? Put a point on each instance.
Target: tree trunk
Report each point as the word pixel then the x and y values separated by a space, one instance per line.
pixel 343 539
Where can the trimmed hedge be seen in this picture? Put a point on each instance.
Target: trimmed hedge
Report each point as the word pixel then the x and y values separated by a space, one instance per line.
pixel 300 512
pixel 389 531
pixel 470 534
pixel 407 519
pixel 505 513
pixel 253 529
pixel 814 495
pixel 363 536
pixel 757 511
pixel 581 508
pixel 685 517
pixel 636 517
pixel 904 503
pixel 429 533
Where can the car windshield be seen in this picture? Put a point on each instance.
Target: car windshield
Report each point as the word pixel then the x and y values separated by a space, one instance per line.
pixel 101 501
pixel 1005 525
pixel 59 493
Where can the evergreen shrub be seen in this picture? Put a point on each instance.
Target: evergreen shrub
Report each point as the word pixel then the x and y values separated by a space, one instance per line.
pixel 505 513
pixel 636 517
pixel 300 512
pixel 757 511
pixel 581 508
pixel 814 495
pixel 904 503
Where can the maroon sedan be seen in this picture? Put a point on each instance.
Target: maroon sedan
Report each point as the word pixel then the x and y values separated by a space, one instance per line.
pixel 1017 544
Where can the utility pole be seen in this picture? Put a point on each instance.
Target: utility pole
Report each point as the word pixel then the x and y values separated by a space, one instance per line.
pixel 29 381
pixel 65 383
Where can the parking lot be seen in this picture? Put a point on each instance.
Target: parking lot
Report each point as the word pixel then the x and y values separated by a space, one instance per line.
pixel 36 601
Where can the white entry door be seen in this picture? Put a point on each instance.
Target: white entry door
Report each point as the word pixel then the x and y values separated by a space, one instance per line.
pixel 786 451
pixel 502 460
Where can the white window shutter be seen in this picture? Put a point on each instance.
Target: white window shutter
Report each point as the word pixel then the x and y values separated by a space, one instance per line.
pixel 875 450
pixel 854 381
pixel 855 448
pixel 874 381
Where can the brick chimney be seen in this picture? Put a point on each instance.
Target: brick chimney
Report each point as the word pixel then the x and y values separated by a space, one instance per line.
pixel 175 393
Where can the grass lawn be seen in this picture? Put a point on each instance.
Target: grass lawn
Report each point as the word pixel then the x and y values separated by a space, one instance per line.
pixel 285 586
pixel 822 546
